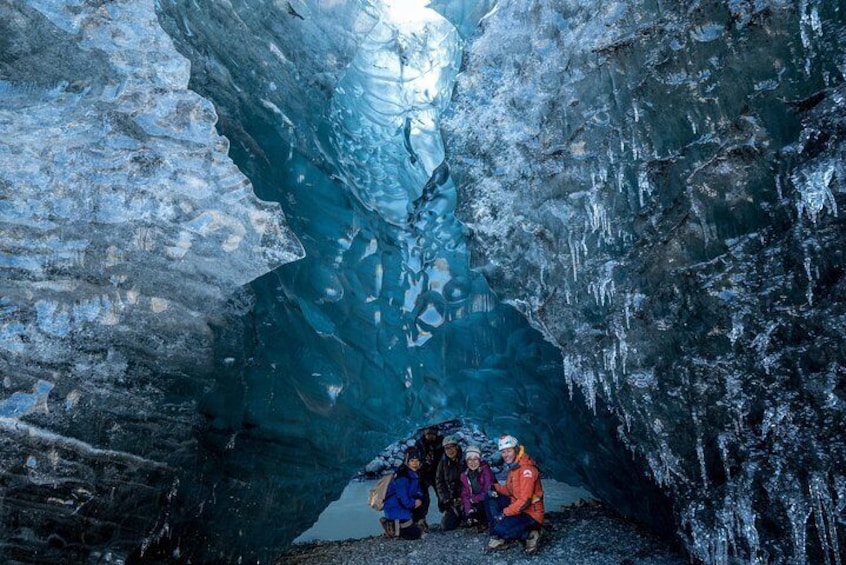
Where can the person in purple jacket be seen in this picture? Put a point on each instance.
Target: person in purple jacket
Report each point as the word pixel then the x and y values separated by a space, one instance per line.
pixel 476 481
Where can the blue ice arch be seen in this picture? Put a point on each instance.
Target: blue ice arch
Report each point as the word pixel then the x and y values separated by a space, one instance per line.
pixel 245 245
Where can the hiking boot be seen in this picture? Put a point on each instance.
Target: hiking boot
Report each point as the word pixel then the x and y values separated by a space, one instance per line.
pixel 423 525
pixel 495 543
pixel 388 526
pixel 532 541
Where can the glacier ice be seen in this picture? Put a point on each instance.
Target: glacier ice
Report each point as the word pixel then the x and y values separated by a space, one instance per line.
pixel 383 325
pixel 710 138
pixel 125 228
pixel 654 186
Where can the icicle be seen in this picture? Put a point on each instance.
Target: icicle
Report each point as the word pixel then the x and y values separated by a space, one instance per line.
pixel 745 517
pixel 700 450
pixel 635 148
pixel 574 255
pixel 798 511
pixel 623 348
pixel 809 292
pixel 644 186
pixel 814 192
pixel 722 444
pixel 569 372
pixel 825 518
pixel 610 357
pixel 736 328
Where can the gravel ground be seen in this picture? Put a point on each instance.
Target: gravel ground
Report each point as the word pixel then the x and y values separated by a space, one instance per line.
pixel 586 534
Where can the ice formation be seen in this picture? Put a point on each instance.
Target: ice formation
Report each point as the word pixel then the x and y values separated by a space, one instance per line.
pixel 656 187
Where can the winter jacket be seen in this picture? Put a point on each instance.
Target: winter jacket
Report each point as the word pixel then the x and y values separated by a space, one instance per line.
pixel 401 494
pixel 432 454
pixel 523 485
pixel 485 479
pixel 448 480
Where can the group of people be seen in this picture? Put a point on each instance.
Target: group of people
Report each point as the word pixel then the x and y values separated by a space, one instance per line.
pixel 467 491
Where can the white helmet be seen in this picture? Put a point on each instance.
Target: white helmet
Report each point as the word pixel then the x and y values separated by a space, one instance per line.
pixel 506 442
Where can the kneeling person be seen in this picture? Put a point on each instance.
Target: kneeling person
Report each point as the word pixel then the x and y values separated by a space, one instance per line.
pixel 476 480
pixel 404 508
pixel 515 509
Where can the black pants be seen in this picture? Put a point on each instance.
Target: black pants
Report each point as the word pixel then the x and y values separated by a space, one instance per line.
pixel 409 529
pixel 451 518
pixel 478 512
pixel 424 487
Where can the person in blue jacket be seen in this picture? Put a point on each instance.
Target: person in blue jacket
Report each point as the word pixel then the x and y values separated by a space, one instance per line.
pixel 404 509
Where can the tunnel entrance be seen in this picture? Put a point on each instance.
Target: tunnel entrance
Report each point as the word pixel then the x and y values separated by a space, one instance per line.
pixel 385 324
pixel 349 517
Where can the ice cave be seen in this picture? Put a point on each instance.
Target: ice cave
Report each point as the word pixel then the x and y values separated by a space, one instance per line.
pixel 247 244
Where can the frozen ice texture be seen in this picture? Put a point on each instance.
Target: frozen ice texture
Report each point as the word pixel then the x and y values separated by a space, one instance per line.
pixel 125 231
pixel 656 186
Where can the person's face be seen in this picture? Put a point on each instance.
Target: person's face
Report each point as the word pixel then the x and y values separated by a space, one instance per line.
pixel 508 454
pixel 414 464
pixel 473 463
pixel 451 450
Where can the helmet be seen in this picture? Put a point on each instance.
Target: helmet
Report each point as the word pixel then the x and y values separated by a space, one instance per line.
pixel 506 442
pixel 450 440
pixel 473 451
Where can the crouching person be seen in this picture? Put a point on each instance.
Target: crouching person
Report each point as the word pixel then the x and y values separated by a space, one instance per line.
pixel 404 509
pixel 515 509
pixel 476 480
pixel 448 484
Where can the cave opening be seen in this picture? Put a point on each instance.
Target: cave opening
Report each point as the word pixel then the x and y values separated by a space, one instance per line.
pixel 655 188
pixel 385 325
pixel 388 323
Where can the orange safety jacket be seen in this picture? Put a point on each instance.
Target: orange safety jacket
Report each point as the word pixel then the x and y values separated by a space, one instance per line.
pixel 523 485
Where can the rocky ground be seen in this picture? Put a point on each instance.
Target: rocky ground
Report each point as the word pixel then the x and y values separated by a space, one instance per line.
pixel 587 534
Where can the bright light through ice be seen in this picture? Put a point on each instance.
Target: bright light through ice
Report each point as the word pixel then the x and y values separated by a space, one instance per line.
pixel 419 32
pixel 386 108
pixel 407 11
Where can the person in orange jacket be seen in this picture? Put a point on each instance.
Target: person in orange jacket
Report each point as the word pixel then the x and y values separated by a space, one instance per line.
pixel 515 509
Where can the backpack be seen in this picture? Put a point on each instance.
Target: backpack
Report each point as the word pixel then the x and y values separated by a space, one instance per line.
pixel 376 499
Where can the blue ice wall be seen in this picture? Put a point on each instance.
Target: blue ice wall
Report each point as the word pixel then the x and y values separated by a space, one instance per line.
pixel 656 186
pixel 384 325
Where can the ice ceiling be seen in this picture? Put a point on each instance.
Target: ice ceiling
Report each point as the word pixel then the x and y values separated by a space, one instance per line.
pixel 383 326
pixel 610 228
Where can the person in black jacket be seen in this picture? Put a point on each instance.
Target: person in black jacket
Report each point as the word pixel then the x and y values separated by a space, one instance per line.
pixel 431 451
pixel 448 484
